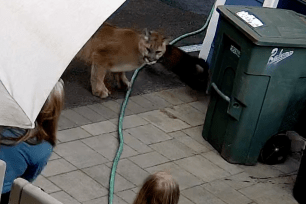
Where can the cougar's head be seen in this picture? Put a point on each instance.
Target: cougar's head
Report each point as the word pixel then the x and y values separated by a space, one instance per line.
pixel 152 46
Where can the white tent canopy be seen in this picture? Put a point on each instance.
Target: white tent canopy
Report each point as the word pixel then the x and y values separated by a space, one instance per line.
pixel 38 39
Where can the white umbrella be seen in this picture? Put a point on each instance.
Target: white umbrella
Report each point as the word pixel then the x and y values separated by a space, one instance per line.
pixel 38 39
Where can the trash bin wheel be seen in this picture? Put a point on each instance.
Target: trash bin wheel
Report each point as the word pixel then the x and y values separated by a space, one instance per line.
pixel 276 150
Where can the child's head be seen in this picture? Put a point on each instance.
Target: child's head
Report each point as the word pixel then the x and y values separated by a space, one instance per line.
pixel 159 188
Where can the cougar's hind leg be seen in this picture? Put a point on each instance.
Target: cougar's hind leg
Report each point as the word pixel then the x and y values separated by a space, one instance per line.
pixel 98 87
pixel 118 80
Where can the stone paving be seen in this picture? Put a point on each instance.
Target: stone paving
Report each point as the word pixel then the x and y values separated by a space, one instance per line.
pixel 162 131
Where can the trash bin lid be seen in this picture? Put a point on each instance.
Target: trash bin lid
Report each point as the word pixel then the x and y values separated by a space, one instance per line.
pixel 267 26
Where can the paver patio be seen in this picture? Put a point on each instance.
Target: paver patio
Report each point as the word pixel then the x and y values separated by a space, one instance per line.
pixel 162 131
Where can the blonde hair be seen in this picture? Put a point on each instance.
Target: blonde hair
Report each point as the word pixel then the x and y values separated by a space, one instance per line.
pixel 47 120
pixel 159 188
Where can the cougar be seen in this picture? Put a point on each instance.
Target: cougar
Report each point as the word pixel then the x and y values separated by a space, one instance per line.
pixel 118 50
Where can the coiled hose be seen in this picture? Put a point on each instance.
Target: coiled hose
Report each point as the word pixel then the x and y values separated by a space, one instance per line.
pixel 124 104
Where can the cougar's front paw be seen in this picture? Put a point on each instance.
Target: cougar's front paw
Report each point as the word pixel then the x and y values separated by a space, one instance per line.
pixel 102 94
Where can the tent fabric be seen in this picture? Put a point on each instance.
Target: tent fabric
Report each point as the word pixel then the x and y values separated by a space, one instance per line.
pixel 38 40
pixel 10 111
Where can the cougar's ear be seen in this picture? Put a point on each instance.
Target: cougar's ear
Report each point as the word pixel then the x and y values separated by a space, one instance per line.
pixel 146 34
pixel 166 41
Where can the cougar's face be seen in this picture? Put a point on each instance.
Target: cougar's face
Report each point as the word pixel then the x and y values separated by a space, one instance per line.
pixel 151 55
pixel 155 47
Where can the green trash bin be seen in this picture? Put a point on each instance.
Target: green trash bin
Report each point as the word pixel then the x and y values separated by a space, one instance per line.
pixel 258 70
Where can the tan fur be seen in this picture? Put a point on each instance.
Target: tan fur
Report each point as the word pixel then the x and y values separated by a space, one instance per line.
pixel 119 50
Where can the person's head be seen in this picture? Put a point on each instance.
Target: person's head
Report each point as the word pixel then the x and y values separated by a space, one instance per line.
pixel 47 119
pixel 159 188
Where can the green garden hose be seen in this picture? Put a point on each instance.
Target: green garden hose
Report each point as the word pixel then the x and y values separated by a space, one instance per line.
pixel 123 107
